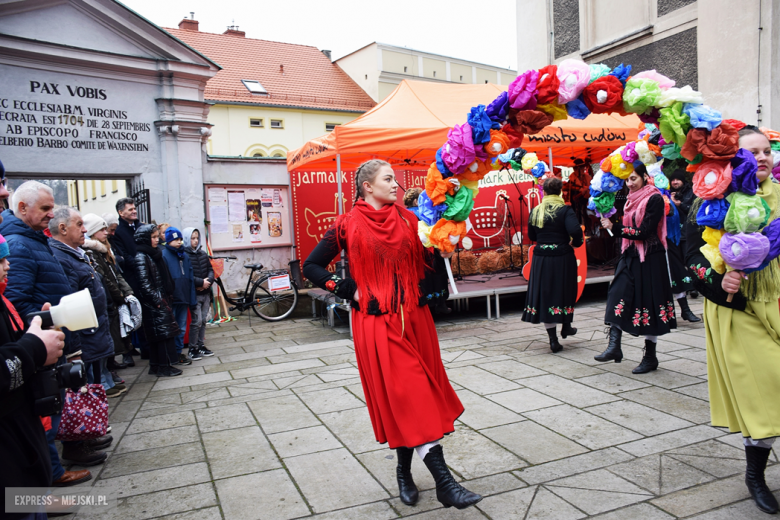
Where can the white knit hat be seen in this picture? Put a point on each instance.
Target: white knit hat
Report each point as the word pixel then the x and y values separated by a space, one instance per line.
pixel 93 223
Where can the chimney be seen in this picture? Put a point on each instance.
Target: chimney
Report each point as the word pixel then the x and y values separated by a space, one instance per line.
pixel 327 53
pixel 232 30
pixel 189 24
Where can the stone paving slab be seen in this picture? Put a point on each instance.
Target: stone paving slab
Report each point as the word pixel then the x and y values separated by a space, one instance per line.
pixel 275 426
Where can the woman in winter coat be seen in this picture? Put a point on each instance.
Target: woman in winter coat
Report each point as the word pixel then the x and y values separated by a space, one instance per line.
pixel 155 291
pixel 117 289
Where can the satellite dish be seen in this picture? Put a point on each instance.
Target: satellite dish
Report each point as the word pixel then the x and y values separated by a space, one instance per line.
pixel 517 239
pixel 467 243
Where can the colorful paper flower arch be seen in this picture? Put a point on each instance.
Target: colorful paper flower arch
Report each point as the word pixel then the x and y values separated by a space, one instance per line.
pixel 678 127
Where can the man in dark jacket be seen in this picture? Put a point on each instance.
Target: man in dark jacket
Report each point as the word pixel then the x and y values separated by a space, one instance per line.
pixel 184 298
pixel 204 277
pixel 683 197
pixel 123 238
pixel 38 278
pixel 67 231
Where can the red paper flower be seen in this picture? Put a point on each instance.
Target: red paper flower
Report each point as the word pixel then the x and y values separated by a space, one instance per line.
pixel 604 95
pixel 547 87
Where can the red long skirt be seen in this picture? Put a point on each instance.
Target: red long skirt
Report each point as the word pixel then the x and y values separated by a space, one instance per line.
pixel 409 398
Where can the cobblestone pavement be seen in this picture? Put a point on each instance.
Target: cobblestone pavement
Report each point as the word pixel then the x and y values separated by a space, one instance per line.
pixel 274 426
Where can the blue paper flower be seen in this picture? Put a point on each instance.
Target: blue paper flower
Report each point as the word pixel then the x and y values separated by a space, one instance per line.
pixel 480 124
pixel 426 211
pixel 621 72
pixel 577 109
pixel 702 116
pixel 712 213
pixel 445 172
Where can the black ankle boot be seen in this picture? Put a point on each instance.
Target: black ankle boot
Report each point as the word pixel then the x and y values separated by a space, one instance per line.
pixel 613 348
pixel 685 312
pixel 554 345
pixel 567 330
pixel 406 487
pixel 754 479
pixel 649 360
pixel 448 492
pixel 112 365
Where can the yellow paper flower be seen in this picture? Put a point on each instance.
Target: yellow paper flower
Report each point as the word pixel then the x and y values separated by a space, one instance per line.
pixel 558 112
pixel 712 236
pixel 472 185
pixel 424 232
pixel 620 168
pixel 712 254
pixel 529 161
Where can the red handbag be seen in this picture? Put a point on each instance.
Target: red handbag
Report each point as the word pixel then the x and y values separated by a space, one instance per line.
pixel 84 414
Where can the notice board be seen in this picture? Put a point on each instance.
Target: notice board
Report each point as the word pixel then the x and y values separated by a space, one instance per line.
pixel 248 216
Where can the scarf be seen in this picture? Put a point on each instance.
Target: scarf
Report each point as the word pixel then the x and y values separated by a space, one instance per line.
pixel 546 210
pixel 178 250
pixel 385 255
pixel 16 320
pixel 155 253
pixel 634 213
pixel 764 285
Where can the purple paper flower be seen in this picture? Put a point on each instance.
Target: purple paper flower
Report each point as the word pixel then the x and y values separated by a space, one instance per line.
pixel 498 108
pixel 522 91
pixel 458 152
pixel 744 169
pixel 744 250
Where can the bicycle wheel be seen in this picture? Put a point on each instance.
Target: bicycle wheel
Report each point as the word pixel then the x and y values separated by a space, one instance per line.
pixel 273 305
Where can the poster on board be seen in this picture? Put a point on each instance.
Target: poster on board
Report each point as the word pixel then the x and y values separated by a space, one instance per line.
pixel 247 216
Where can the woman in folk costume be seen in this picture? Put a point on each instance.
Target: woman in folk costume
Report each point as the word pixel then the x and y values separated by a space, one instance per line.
pixel 743 346
pixel 552 286
pixel 410 400
pixel 640 299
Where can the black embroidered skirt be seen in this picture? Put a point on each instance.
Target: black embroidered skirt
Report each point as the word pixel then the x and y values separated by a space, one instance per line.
pixel 681 276
pixel 640 299
pixel 552 289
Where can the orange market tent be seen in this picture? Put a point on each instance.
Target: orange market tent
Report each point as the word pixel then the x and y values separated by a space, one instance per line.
pixel 412 123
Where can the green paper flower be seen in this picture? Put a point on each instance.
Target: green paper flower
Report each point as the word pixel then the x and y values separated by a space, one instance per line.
pixel 640 95
pixel 674 124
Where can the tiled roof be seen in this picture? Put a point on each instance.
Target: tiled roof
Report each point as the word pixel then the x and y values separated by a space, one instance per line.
pixel 308 79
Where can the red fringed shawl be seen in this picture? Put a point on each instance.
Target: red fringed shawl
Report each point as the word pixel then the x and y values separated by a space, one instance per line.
pixel 385 254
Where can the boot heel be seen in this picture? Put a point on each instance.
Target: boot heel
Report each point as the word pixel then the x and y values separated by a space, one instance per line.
pixel 618 360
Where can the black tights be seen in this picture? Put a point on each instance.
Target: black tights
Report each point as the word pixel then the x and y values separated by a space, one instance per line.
pixel 162 353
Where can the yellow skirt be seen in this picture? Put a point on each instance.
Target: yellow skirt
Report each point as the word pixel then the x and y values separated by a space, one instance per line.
pixel 743 368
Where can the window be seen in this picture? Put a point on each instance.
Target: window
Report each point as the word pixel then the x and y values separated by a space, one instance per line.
pixel 254 87
pixel 278 154
pixel 329 127
pixel 258 154
pixel 486 81
pixel 256 123
pixel 461 78
pixel 404 69
pixel 366 76
pixel 277 123
pixel 434 73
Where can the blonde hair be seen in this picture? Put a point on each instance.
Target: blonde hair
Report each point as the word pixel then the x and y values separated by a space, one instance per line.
pixel 367 172
pixel 410 197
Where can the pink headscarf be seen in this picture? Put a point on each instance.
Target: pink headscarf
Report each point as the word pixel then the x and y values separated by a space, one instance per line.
pixel 634 213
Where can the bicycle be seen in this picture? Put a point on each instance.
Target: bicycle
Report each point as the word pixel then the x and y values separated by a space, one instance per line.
pixel 273 296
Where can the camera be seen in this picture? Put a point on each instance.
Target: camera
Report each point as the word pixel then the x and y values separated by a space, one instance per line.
pixel 48 381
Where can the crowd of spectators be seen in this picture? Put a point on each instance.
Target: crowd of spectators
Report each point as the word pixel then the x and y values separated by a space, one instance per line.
pixel 146 296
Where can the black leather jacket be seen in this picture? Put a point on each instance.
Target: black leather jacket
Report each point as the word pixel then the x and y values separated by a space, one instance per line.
pixel 158 320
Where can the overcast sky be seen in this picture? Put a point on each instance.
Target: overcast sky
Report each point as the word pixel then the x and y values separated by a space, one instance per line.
pixel 481 31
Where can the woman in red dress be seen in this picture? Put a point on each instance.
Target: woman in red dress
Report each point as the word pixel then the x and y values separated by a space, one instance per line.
pixel 410 400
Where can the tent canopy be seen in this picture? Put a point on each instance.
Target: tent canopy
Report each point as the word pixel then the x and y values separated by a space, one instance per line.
pixel 412 123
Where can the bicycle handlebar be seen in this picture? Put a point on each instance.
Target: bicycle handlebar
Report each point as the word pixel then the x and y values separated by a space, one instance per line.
pixel 223 257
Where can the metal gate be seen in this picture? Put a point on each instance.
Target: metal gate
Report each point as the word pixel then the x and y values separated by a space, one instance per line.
pixel 141 197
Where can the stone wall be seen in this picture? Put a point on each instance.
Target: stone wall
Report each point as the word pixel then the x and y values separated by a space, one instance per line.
pixel 566 26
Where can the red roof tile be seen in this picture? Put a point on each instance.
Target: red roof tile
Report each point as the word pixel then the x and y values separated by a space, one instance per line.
pixel 308 80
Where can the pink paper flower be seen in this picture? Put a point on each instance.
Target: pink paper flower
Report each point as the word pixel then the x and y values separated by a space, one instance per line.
pixel 574 76
pixel 663 81
pixel 522 91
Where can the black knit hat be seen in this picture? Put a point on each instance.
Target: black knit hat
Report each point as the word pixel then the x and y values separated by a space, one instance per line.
pixel 677 174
